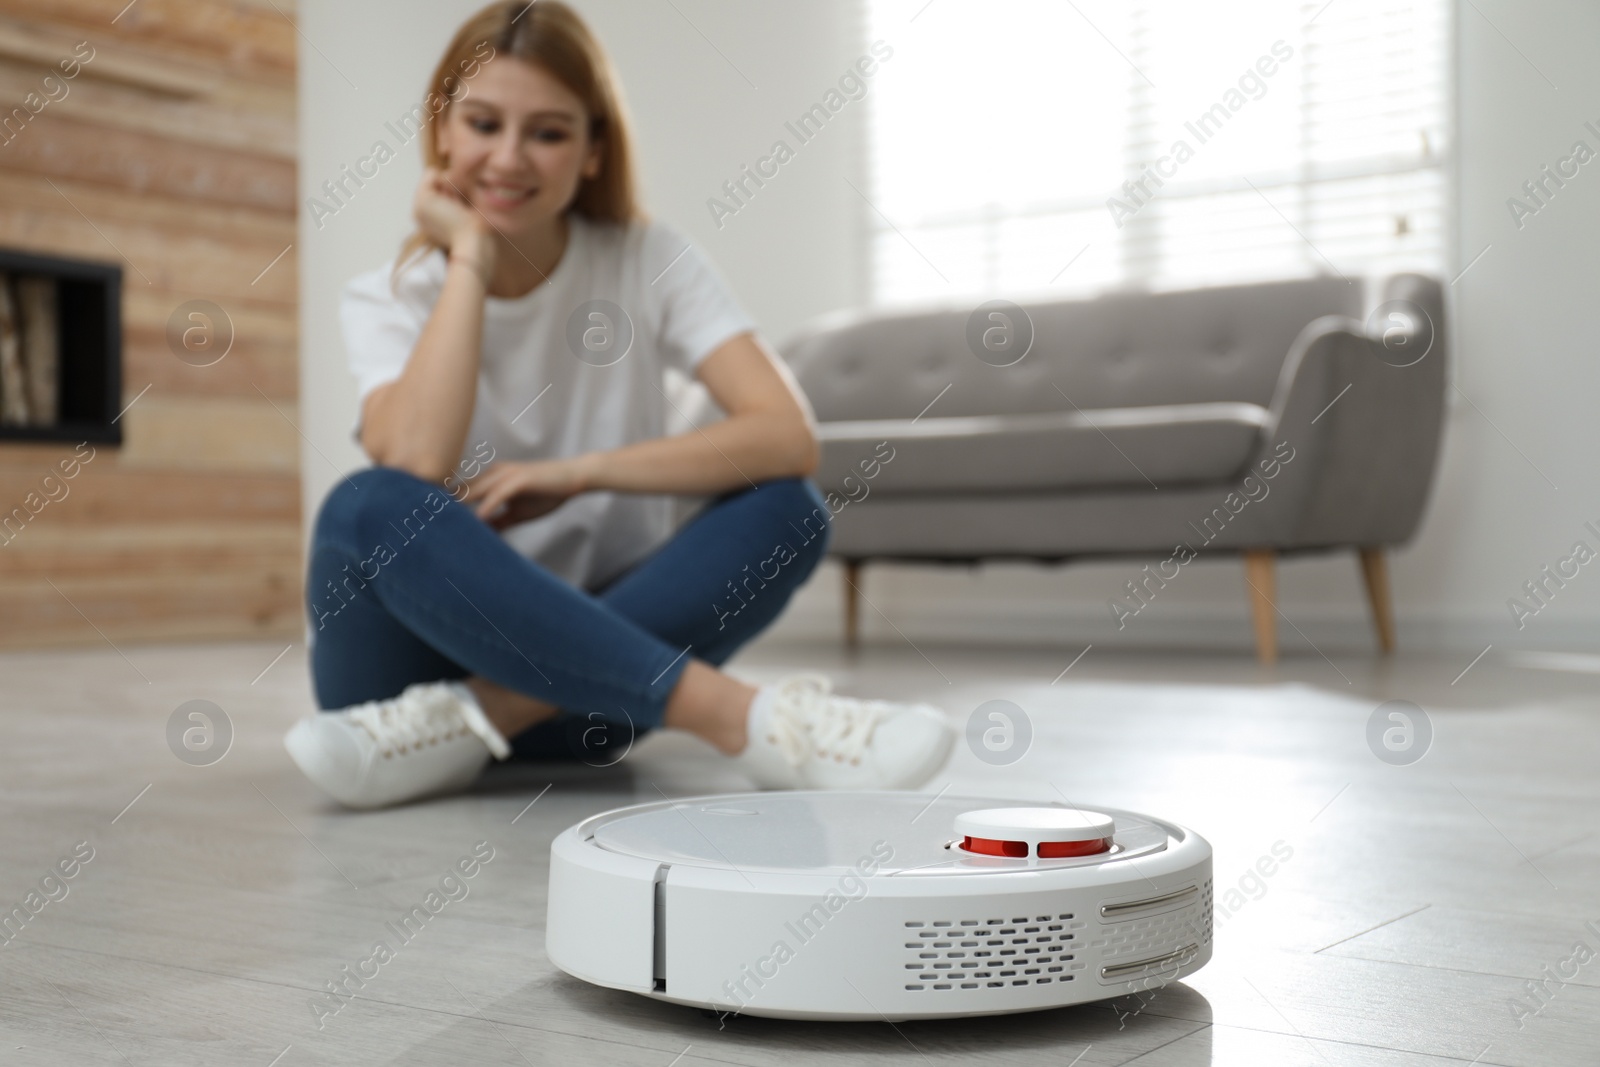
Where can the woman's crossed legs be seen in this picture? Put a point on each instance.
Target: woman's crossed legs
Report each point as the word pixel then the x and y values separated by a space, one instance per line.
pixel 406 585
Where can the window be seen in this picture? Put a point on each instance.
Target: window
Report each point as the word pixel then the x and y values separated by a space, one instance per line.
pixel 1046 147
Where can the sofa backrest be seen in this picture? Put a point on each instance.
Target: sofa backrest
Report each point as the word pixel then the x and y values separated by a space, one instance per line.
pixel 1118 350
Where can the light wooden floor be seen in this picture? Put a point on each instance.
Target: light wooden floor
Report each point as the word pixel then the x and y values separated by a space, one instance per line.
pixel 1417 905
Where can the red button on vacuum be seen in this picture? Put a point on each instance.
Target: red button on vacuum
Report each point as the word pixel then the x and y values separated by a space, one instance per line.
pixel 989 847
pixel 1049 850
pixel 1048 833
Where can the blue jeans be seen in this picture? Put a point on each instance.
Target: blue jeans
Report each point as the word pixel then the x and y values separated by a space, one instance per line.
pixel 407 585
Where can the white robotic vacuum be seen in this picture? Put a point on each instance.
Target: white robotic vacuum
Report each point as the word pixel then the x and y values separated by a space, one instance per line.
pixel 832 905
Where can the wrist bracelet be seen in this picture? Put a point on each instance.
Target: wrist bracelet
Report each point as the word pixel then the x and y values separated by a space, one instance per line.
pixel 473 267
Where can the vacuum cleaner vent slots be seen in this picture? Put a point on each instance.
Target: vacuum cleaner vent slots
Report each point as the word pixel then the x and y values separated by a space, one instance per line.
pixel 833 905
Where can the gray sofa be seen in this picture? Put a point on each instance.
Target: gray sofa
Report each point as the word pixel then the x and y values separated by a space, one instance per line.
pixel 1262 420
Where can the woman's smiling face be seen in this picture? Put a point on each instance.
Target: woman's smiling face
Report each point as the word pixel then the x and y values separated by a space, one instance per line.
pixel 517 145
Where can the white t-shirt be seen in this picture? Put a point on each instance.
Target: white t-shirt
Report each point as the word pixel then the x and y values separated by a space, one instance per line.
pixel 537 399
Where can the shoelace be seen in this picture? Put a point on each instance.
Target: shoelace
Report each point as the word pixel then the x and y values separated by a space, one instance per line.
pixel 808 719
pixel 421 716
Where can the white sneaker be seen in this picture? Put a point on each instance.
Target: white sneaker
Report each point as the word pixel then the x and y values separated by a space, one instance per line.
pixel 801 736
pixel 432 738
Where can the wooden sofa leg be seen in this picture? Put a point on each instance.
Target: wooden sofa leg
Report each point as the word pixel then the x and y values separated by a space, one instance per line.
pixel 1375 570
pixel 1258 574
pixel 852 602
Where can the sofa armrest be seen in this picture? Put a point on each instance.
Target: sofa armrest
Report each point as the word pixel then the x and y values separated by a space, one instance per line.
pixel 1364 428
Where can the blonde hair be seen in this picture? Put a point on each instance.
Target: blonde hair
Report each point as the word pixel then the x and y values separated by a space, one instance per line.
pixel 549 34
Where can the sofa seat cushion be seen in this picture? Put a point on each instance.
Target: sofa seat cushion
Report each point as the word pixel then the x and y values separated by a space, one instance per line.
pixel 1161 445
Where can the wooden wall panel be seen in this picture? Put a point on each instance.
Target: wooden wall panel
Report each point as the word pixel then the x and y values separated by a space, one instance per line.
pixel 107 495
pixel 249 40
pixel 251 117
pixel 265 352
pixel 86 554
pixel 174 155
pixel 209 605
pixel 188 248
pixel 141 162
pixel 211 433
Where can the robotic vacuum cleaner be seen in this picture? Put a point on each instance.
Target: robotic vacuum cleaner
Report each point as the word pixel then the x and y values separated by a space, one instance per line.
pixel 836 905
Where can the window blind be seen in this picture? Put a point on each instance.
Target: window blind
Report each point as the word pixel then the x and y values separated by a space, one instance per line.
pixel 1038 147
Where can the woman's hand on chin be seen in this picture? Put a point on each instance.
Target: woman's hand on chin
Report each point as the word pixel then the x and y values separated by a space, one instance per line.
pixel 513 493
pixel 449 221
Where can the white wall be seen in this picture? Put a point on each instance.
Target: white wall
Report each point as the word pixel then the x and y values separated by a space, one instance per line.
pixel 1524 353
